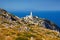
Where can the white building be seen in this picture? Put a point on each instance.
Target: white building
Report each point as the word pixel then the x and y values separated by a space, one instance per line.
pixel 29 16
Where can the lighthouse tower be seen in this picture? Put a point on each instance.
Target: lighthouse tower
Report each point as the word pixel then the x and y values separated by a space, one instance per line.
pixel 31 14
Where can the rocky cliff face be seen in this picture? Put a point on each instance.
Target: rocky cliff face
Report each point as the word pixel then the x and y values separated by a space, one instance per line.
pixel 8 16
pixel 42 22
pixel 7 19
pixel 27 28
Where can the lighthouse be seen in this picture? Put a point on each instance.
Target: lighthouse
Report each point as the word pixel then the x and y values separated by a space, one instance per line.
pixel 31 14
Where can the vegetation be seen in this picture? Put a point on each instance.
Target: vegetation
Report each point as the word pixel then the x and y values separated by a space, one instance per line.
pixel 38 33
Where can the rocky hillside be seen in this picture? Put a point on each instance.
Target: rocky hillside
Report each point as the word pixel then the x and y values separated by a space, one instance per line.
pixel 26 28
pixel 40 22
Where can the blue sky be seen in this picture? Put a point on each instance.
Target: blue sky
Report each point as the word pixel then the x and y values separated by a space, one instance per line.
pixel 30 5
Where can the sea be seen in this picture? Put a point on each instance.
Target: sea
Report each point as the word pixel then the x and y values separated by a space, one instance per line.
pixel 53 16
